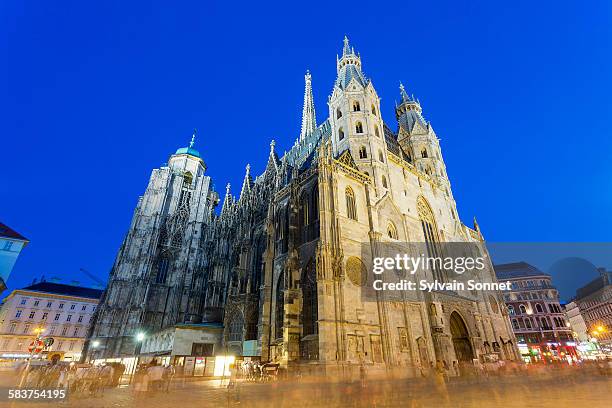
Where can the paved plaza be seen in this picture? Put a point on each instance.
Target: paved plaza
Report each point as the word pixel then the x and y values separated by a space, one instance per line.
pixel 541 391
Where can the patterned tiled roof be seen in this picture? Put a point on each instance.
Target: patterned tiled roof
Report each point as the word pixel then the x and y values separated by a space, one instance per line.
pixel 349 72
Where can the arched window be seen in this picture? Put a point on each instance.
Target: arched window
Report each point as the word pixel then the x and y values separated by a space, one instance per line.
pixel 376 132
pixel 338 113
pixel 430 233
pixel 381 157
pixel 539 308
pixel 384 181
pixel 515 324
pixel 528 323
pixel 359 127
pixel 187 178
pixel 373 110
pixel 511 309
pixel 392 231
pixel 279 310
pixel 340 134
pixel 522 309
pixel 424 153
pixel 356 106
pixel 351 210
pixel 363 154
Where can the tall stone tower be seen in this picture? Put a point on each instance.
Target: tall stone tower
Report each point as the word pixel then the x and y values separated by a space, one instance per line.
pixel 157 278
pixel 354 112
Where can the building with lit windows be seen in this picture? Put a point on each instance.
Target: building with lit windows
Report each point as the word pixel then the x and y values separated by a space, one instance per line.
pixel 594 300
pixel 63 312
pixel 537 318
pixel 11 245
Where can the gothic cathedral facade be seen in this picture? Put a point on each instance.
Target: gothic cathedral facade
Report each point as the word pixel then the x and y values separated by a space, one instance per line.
pixel 282 266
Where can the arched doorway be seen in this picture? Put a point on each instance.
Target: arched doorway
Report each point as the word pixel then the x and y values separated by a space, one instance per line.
pixel 461 338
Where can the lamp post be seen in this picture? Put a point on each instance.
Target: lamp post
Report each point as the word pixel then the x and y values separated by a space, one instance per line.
pixel 140 336
pixel 94 346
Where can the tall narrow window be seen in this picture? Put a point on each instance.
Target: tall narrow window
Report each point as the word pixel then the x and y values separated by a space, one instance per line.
pixel 351 210
pixel 356 106
pixel 279 313
pixel 363 154
pixel 340 134
pixel 384 181
pixel 308 283
pixel 162 270
pixel 424 153
pixel 381 157
pixel 359 127
pixel 430 234
pixel 376 132
pixel 338 113
pixel 373 110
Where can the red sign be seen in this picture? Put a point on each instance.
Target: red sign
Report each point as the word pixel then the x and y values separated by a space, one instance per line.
pixel 36 346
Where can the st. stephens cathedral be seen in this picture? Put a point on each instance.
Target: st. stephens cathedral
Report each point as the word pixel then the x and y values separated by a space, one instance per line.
pixel 278 273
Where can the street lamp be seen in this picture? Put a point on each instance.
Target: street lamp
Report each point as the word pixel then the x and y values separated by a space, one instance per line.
pixel 94 345
pixel 140 336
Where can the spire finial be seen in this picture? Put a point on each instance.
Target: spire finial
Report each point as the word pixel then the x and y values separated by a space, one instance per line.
pixel 227 189
pixel 272 144
pixel 309 119
pixel 347 49
pixel 403 93
pixel 193 136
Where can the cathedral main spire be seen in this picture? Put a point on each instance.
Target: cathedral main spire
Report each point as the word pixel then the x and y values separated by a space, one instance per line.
pixel 309 118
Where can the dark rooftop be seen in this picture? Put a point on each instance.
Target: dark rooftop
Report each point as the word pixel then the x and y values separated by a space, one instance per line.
pixel 67 290
pixel 8 232
pixel 517 270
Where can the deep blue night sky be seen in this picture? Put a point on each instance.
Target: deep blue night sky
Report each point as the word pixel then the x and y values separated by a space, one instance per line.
pixel 94 95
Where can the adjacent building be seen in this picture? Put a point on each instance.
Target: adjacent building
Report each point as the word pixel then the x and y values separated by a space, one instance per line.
pixel 594 301
pixel 62 312
pixel 537 317
pixel 283 268
pixel 11 245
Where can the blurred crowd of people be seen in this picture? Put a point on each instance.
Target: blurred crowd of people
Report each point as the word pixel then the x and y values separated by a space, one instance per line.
pixel 153 377
pixel 83 379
